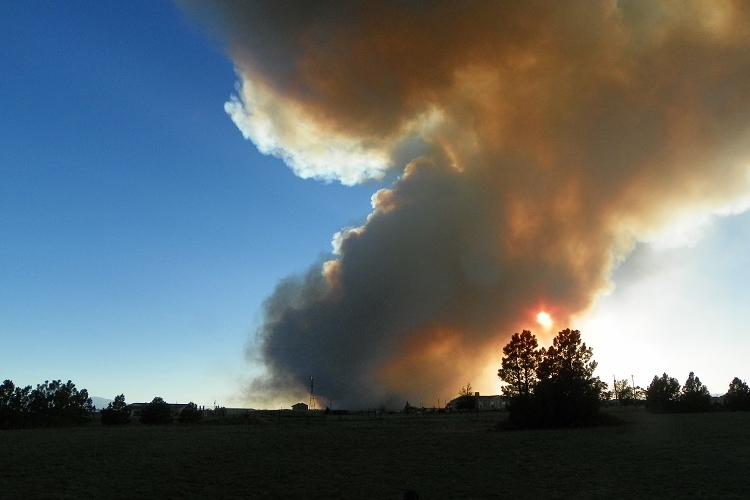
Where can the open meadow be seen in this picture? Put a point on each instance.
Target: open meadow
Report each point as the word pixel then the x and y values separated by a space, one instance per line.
pixel 440 456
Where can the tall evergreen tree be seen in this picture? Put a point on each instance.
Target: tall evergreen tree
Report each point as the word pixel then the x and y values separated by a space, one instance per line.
pixel 520 364
pixel 568 394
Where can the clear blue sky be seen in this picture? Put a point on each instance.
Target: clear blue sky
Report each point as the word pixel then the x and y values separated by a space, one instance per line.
pixel 140 233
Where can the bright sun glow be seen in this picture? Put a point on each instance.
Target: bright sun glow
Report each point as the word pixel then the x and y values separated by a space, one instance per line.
pixel 544 319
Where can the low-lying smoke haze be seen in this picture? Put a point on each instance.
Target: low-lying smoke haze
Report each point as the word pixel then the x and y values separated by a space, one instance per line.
pixel 533 145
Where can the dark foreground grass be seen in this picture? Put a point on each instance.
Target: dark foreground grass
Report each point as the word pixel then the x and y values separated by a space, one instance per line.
pixel 441 456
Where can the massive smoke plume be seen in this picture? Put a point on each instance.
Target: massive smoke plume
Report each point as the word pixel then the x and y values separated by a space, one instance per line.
pixel 534 142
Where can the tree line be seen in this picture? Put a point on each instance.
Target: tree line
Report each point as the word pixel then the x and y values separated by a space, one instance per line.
pixel 556 386
pixel 665 395
pixel 55 403
pixel 49 404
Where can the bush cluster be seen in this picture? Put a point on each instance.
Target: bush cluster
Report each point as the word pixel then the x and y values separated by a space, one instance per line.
pixel 664 395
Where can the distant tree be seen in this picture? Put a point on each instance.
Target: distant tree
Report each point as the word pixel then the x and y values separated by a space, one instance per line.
pixel 466 400
pixel 19 405
pixel 115 412
pixel 663 394
pixel 604 393
pixel 567 394
pixel 190 414
pixel 7 410
pixel 13 404
pixel 737 397
pixel 521 358
pixel 54 403
pixel 624 392
pixel 157 411
pixel 639 393
pixel 694 396
pixel 6 392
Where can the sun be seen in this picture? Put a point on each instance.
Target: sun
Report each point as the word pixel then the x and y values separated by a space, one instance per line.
pixel 544 319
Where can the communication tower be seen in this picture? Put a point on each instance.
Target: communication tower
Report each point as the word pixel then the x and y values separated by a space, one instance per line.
pixel 312 395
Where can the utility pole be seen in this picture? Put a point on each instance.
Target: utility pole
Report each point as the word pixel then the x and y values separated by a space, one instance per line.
pixel 614 387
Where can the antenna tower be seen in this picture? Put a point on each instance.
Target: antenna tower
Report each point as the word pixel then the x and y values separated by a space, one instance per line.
pixel 312 395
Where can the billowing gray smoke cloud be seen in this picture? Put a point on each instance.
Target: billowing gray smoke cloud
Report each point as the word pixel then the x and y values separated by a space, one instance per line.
pixel 536 142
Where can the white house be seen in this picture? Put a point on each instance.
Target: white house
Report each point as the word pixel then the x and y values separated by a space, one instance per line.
pixel 484 403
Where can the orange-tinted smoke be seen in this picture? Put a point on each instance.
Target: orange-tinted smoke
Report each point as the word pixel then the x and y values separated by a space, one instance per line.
pixel 537 142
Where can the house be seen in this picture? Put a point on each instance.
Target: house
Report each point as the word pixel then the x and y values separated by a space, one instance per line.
pixel 299 407
pixel 483 403
pixel 497 402
pixel 136 409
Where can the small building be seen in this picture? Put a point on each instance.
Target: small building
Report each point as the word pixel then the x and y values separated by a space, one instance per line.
pixel 136 409
pixel 483 403
pixel 299 407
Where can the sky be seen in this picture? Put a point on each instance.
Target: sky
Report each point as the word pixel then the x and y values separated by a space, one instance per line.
pixel 140 231
pixel 212 203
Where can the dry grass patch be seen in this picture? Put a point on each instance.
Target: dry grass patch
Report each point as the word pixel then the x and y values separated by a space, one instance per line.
pixel 441 456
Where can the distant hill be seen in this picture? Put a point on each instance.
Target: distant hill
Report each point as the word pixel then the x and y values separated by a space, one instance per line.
pixel 101 403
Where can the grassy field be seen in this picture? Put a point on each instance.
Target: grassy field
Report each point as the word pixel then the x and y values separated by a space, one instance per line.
pixel 441 456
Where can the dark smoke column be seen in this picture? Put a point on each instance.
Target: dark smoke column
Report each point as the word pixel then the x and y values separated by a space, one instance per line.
pixel 536 144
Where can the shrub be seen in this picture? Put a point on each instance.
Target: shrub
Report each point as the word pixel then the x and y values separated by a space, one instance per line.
pixel 157 412
pixel 191 413
pixel 115 413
